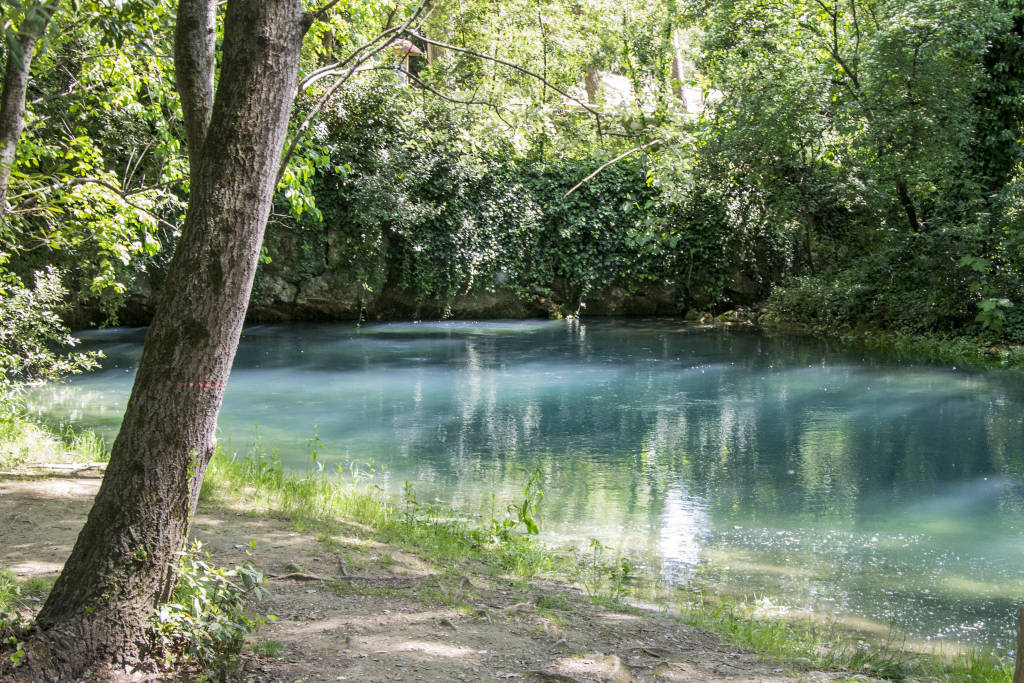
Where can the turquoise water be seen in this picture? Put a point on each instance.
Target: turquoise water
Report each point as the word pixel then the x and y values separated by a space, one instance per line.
pixel 884 494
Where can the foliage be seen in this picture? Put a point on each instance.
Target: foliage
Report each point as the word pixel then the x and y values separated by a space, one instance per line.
pixel 522 513
pixel 32 335
pixel 602 575
pixel 90 183
pixel 205 621
pixel 857 153
pixel 856 127
pixel 407 198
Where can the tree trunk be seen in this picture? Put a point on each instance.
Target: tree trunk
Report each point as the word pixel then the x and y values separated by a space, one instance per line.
pixel 677 78
pixel 590 82
pixel 195 45
pixel 908 205
pixel 12 99
pixel 120 568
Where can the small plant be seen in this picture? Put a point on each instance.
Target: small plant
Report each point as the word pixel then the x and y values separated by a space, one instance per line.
pixel 269 647
pixel 205 620
pixel 415 511
pixel 602 576
pixel 13 597
pixel 316 446
pixel 10 621
pixel 523 513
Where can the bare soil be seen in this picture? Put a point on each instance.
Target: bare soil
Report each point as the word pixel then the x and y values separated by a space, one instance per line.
pixel 350 608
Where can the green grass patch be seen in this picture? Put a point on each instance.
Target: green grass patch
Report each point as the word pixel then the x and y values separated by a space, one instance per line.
pixel 269 647
pixel 555 601
pixel 317 501
pixel 23 440
pixel 808 646
pixel 10 592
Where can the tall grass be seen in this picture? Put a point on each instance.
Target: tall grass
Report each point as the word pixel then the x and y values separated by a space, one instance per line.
pixel 436 533
pixel 812 645
pixel 23 440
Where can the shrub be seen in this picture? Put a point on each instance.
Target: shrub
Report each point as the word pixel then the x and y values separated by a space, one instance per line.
pixel 32 335
pixel 205 621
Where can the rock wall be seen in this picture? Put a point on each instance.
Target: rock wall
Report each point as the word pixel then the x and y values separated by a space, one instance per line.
pixel 331 296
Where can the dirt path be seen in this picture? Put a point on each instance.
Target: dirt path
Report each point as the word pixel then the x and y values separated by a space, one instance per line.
pixel 382 615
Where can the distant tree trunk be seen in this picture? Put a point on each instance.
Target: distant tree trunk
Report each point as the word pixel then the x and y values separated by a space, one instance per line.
pixel 120 568
pixel 434 53
pixel 810 227
pixel 590 82
pixel 677 78
pixel 908 205
pixel 12 99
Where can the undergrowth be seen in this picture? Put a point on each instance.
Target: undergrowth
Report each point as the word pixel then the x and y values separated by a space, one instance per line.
pixel 206 620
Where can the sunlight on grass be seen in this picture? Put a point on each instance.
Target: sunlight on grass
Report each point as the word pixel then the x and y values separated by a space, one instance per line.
pixel 23 441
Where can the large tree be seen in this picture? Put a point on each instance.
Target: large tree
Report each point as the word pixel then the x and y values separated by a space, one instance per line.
pixel 122 564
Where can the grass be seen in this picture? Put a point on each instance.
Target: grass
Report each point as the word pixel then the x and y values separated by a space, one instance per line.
pixel 964 352
pixel 24 440
pixel 811 645
pixel 10 592
pixel 317 501
pixel 269 647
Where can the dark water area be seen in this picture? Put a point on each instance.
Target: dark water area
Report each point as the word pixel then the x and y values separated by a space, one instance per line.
pixel 883 494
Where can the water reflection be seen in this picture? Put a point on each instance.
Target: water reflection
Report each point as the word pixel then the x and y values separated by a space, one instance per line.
pixel 832 481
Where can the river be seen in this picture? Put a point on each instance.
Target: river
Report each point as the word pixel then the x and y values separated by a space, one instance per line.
pixel 885 495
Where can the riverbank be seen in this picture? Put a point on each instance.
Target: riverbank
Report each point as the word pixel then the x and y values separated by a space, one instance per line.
pixel 964 351
pixel 366 587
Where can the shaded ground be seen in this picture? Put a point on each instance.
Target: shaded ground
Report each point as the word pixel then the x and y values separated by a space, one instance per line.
pixel 352 609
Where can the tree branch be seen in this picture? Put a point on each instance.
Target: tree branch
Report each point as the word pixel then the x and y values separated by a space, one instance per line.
pixel 609 163
pixel 511 65
pixel 121 194
pixel 335 68
pixel 420 82
pixel 320 13
pixel 326 97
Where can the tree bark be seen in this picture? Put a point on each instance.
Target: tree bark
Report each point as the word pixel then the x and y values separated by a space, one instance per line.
pixel 195 44
pixel 590 82
pixel 120 568
pixel 12 99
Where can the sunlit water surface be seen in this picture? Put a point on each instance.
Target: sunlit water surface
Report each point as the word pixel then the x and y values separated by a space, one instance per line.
pixel 886 494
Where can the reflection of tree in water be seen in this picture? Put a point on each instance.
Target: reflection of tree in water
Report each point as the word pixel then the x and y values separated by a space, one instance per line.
pixel 754 442
pixel 618 414
pixel 771 453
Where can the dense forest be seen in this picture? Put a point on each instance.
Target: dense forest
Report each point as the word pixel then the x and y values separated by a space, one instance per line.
pixel 842 164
